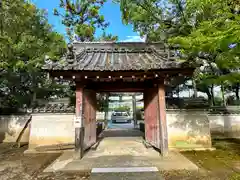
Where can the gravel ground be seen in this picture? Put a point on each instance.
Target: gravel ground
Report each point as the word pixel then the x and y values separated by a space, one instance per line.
pixel 15 165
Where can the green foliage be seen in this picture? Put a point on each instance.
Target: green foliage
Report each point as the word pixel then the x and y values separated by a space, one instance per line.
pixel 82 17
pixel 122 108
pixel 204 30
pixel 25 39
pixel 139 114
pixel 157 19
pixel 102 102
pixel 106 37
pixel 215 29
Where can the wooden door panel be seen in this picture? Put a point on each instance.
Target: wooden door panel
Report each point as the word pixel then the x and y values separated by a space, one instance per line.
pixel 89 116
pixel 151 113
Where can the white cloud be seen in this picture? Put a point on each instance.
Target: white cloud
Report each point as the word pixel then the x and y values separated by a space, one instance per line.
pixel 134 39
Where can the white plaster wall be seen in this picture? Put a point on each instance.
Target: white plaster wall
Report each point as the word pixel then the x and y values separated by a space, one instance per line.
pixel 194 129
pixel 50 129
pixel 188 129
pixel 11 126
pixel 227 125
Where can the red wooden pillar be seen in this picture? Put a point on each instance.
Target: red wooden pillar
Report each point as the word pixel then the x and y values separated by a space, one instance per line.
pixel 78 122
pixel 163 119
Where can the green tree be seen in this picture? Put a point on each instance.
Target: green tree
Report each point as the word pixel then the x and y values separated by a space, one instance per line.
pixel 107 37
pixel 202 30
pixel 25 39
pixel 82 17
pixel 215 38
pixel 157 19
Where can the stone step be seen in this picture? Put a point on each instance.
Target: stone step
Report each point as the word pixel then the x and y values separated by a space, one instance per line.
pixel 127 176
pixel 124 169
pixel 126 173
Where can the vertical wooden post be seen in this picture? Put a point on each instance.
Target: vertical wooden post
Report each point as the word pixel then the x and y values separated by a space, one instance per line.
pixel 163 120
pixel 79 128
pixel 134 110
pixel 106 111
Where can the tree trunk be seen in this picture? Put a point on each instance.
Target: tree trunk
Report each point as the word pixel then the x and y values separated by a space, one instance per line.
pixel 209 98
pixel 212 94
pixel 18 141
pixel 223 95
pixel 237 91
pixel 170 94
pixel 34 87
pixel 178 91
pixel 120 98
pixel 34 98
pixel 106 111
pixel 134 110
pixel 194 88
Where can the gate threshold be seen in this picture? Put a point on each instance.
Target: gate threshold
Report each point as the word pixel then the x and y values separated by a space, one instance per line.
pixel 124 169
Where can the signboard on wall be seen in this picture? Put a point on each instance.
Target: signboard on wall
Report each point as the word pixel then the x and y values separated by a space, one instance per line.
pixel 77 122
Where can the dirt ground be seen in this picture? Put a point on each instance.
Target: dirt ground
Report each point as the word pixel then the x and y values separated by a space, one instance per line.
pixel 221 164
pixel 15 165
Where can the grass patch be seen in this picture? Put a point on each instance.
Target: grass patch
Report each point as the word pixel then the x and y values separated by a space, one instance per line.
pixel 177 175
pixel 220 162
pixel 206 159
pixel 235 176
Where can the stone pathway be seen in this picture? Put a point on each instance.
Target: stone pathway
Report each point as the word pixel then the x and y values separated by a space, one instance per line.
pixel 120 148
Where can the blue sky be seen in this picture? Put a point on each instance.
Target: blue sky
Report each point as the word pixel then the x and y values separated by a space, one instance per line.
pixel 111 12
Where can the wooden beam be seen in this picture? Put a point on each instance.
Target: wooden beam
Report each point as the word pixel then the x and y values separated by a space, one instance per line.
pixel 119 86
pixel 125 94
pixel 135 75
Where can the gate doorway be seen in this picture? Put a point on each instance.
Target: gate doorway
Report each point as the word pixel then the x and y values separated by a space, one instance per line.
pixel 122 117
pixel 122 138
pixel 155 132
pixel 146 68
pixel 120 110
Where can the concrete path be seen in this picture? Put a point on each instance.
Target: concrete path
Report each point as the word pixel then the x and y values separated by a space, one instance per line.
pixel 121 148
pixel 120 125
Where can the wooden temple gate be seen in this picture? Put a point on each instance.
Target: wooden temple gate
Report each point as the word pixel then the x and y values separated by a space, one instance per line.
pixel 119 67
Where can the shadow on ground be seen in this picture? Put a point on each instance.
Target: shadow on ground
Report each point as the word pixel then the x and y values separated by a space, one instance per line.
pixel 121 133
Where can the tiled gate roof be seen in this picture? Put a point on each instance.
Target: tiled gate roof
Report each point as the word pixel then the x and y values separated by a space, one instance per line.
pixel 116 57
